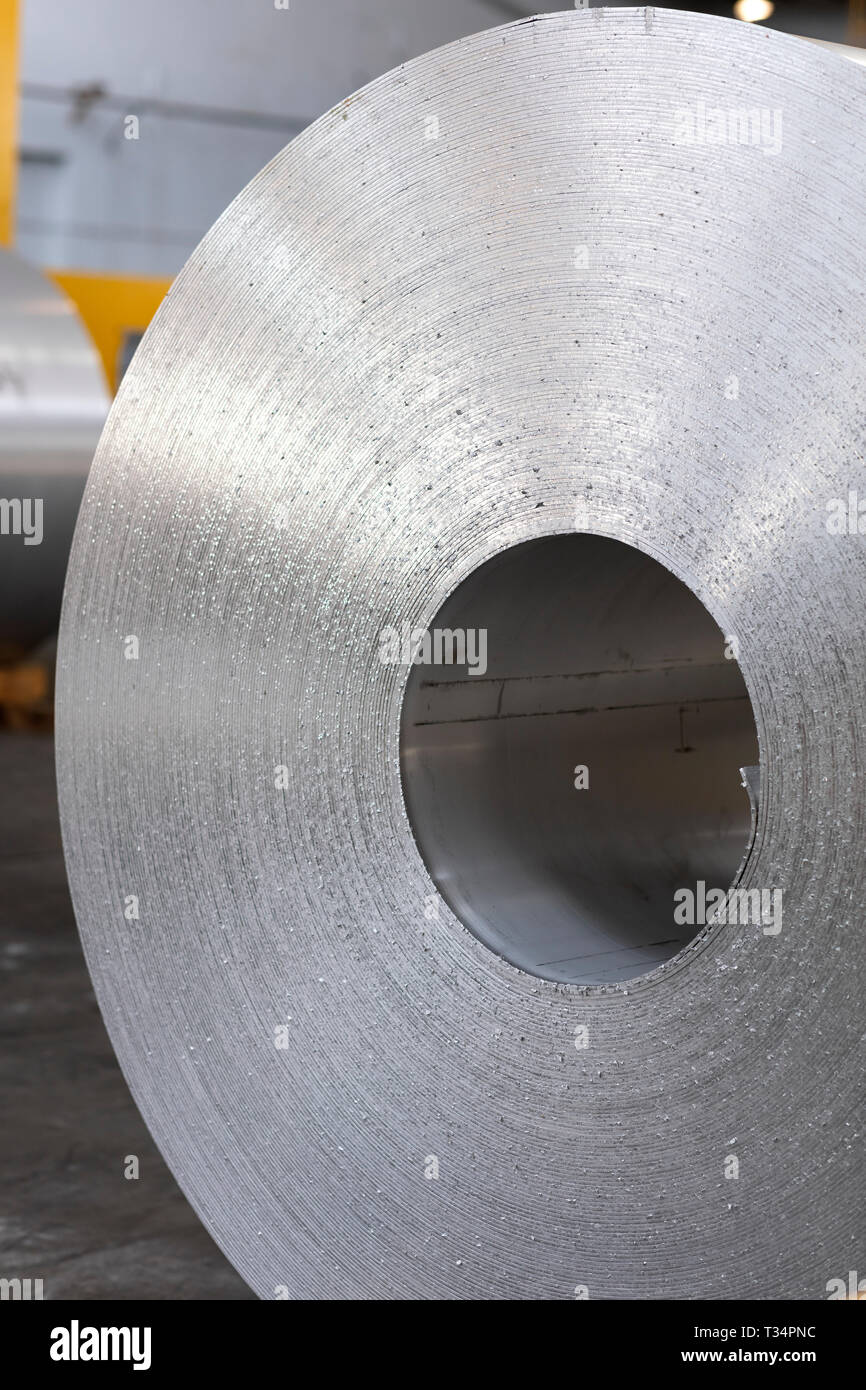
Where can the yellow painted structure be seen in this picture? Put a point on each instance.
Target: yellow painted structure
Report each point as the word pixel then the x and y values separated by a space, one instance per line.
pixel 8 117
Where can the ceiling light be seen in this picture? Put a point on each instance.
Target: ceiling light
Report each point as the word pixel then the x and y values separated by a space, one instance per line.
pixel 753 11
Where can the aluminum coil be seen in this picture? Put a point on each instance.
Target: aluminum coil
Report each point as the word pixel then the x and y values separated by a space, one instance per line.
pixel 548 281
pixel 53 404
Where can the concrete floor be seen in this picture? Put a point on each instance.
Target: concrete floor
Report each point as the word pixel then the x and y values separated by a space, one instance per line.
pixel 67 1214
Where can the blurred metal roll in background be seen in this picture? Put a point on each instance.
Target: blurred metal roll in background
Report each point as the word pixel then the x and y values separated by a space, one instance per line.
pixel 53 403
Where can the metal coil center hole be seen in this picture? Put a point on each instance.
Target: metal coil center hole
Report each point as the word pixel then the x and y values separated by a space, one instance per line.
pixel 573 730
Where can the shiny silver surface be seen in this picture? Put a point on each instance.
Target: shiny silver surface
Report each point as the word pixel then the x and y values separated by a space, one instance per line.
pixel 394 358
pixel 53 404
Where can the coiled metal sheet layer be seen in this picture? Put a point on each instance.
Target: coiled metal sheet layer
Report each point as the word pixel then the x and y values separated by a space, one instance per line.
pixel 511 290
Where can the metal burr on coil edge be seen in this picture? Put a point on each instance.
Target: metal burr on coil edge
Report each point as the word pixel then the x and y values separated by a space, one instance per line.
pixel 546 283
